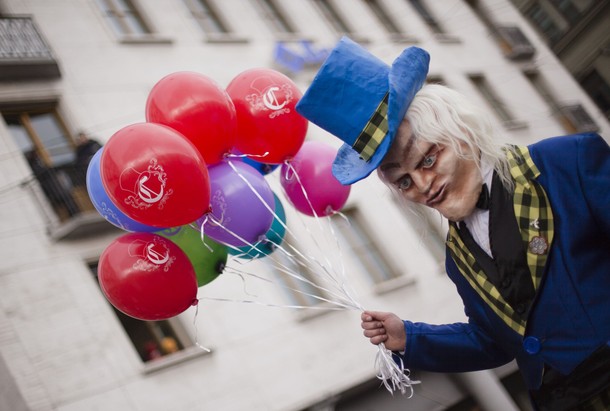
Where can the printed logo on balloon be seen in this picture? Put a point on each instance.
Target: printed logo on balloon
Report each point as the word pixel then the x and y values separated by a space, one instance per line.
pixel 154 254
pixel 269 129
pixel 147 187
pixel 270 96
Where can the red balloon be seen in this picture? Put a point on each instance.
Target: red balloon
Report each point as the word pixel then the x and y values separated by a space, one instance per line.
pixel 155 175
pixel 147 277
pixel 194 105
pixel 267 121
pixel 311 171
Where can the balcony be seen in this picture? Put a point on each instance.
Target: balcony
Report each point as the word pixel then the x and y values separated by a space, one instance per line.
pixel 61 195
pixel 513 43
pixel 575 119
pixel 24 54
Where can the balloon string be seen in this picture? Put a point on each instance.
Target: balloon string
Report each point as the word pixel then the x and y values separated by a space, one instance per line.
pixel 311 307
pixel 330 278
pixel 234 155
pixel 202 233
pixel 256 193
pixel 344 287
pixel 317 297
pixel 394 376
pixel 197 330
pixel 295 174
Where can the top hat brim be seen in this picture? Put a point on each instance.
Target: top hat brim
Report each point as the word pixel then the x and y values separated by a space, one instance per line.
pixel 406 77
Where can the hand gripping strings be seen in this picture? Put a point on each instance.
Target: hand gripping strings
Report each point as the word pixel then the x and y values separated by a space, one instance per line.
pixel 393 375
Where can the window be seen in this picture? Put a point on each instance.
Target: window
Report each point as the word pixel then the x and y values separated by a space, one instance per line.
pixel 387 20
pixel 573 117
pixel 276 17
pixel 573 11
pixel 211 20
pixel 333 16
pixel 42 136
pixel 355 237
pixel 300 284
pixel 492 99
pixel 599 90
pixel 153 339
pixel 548 21
pixel 127 22
pixel 533 76
pixel 428 18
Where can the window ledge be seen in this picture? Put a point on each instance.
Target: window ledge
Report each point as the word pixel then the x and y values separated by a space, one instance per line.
pixel 145 39
pixel 170 360
pixel 447 38
pixel 403 38
pixel 514 125
pixel 393 284
pixel 225 38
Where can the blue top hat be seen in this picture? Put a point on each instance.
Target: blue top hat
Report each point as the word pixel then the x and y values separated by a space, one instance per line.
pixel 360 99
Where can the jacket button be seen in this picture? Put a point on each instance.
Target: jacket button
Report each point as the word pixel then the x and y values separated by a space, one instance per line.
pixel 531 345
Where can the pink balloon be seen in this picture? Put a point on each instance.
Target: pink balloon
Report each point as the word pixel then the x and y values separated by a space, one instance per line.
pixel 311 172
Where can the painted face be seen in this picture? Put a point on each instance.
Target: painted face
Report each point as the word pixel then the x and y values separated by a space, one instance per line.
pixel 431 174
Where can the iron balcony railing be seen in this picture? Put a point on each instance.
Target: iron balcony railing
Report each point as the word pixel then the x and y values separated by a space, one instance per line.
pixel 24 53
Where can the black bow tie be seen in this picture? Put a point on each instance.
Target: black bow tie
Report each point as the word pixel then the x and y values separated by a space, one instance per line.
pixel 483 201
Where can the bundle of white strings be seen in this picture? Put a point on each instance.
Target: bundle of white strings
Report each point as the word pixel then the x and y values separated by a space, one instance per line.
pixel 392 373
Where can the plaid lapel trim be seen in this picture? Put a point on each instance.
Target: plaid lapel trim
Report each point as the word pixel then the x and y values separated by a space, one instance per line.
pixel 535 219
pixel 532 209
pixel 374 132
pixel 474 274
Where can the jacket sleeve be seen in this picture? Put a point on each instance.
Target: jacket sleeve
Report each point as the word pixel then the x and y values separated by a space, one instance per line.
pixel 594 171
pixel 459 347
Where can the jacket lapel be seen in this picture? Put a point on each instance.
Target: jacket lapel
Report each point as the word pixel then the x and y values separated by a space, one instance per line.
pixel 535 221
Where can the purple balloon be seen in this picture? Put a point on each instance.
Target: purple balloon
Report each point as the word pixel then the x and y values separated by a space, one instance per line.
pixel 238 217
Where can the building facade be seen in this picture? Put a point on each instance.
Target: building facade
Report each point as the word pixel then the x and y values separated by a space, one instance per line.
pixel 577 32
pixel 70 66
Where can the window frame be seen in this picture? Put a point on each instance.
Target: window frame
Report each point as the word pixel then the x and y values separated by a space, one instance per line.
pixel 344 224
pixel 277 19
pixel 189 348
pixel 386 19
pixel 206 11
pixel 493 101
pixel 114 17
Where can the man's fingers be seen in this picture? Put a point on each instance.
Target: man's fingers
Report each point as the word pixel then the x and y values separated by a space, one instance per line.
pixel 374 332
pixel 370 325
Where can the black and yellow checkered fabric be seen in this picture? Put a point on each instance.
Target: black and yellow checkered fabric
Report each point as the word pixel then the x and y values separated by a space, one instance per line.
pixel 532 208
pixel 375 130
pixel 535 219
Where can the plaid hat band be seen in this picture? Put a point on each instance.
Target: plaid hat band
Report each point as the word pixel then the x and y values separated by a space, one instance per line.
pixel 375 130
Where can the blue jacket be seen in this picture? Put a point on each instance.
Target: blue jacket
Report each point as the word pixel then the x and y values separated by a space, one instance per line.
pixel 570 316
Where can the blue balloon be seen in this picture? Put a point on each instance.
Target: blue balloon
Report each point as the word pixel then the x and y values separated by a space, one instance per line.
pixel 262 168
pixel 102 203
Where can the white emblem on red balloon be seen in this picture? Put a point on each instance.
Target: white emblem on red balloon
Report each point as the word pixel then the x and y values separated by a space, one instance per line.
pixel 148 187
pixel 154 254
pixel 270 97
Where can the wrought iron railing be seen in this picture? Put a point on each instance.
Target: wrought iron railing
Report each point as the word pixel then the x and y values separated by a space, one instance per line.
pixel 24 53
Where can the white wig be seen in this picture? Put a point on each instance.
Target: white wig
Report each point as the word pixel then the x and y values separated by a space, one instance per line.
pixel 440 115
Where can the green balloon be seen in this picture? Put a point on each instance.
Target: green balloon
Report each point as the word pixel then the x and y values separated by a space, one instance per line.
pixel 208 260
